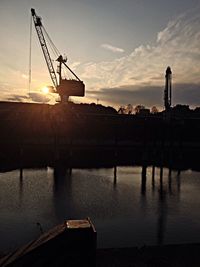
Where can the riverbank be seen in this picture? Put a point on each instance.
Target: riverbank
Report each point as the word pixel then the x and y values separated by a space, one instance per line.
pixel 156 256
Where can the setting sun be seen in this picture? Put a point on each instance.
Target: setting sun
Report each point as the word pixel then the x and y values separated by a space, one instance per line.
pixel 45 90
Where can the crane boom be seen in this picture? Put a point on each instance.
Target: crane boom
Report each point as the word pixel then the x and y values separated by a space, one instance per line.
pixel 38 27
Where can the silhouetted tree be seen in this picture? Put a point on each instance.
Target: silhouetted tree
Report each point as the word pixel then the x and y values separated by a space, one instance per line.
pixel 197 110
pixel 122 110
pixel 126 109
pixel 154 110
pixel 129 109
pixel 138 108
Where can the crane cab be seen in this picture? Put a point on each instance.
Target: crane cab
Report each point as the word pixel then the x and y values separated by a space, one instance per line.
pixel 68 88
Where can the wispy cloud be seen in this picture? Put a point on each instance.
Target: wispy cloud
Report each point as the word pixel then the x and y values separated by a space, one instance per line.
pixel 34 97
pixel 177 45
pixel 24 76
pixel 17 98
pixel 74 65
pixel 112 48
pixel 39 98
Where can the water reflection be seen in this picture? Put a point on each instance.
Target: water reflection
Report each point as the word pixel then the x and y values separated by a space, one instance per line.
pixel 115 176
pixel 163 194
pixel 21 187
pixel 153 178
pixel 144 178
pixel 162 216
pixel 130 206
pixel 62 192
pixel 170 181
pixel 179 181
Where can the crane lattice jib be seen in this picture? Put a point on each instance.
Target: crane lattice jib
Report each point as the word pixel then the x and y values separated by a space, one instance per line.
pixel 38 27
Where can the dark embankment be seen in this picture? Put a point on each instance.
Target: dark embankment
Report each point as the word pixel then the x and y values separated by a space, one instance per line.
pixel 93 135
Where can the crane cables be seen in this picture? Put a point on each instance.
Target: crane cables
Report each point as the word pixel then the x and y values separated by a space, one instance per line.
pixel 51 44
pixel 30 59
pixel 56 52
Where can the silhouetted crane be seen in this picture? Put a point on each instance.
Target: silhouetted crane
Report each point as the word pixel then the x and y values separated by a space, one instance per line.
pixel 65 87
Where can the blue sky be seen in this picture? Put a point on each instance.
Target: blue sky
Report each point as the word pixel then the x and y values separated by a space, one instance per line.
pixel 120 49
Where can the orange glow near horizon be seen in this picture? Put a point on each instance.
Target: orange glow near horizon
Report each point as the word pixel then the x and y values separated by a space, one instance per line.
pixel 45 90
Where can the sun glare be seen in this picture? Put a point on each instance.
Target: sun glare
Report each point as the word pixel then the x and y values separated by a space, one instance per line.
pixel 45 90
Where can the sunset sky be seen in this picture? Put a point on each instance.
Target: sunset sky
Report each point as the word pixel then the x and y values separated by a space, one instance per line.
pixel 120 49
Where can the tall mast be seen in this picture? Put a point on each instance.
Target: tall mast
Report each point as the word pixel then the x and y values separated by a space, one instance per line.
pixel 168 89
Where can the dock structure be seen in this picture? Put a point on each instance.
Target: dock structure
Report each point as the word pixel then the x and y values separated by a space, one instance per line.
pixel 72 243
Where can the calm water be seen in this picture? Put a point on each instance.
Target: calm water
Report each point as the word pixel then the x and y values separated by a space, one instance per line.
pixel 125 209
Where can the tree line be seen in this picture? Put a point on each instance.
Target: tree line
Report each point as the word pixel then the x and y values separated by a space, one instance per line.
pixel 130 109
